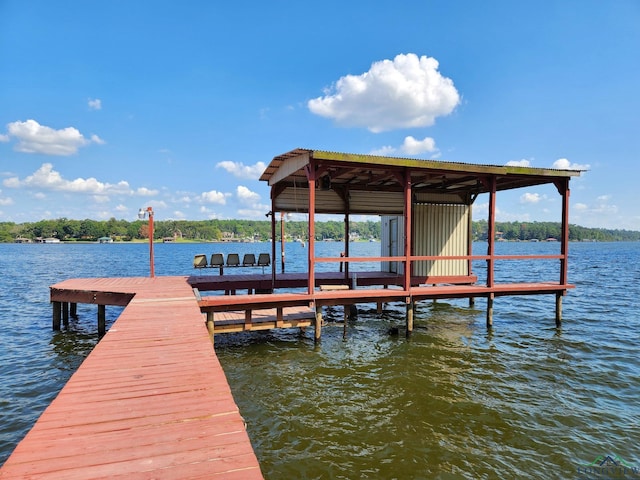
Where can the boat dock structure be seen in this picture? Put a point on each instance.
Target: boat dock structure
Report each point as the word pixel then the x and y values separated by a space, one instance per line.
pixel 151 399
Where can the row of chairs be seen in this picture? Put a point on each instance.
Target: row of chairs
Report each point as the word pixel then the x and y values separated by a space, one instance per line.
pixel 233 260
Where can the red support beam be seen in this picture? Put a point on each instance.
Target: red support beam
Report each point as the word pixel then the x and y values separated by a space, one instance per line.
pixel 491 232
pixel 564 246
pixel 311 178
pixel 273 238
pixel 407 230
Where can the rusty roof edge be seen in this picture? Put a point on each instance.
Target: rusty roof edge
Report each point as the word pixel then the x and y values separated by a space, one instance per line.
pixel 441 164
pixel 418 164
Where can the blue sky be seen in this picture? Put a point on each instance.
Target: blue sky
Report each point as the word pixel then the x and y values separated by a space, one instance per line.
pixel 109 106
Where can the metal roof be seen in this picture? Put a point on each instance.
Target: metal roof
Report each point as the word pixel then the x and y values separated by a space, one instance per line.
pixel 373 172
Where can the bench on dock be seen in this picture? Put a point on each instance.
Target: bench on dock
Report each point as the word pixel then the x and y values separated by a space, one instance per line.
pixel 233 261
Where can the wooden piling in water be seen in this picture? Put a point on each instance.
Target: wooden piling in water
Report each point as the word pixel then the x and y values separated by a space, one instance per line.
pixel 57 315
pixel 211 326
pixel 490 311
pixel 102 320
pixel 558 309
pixel 65 314
pixel 410 310
pixel 318 324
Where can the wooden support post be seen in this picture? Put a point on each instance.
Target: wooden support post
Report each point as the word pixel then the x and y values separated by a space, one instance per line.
pixel 101 320
pixel 279 317
pixel 558 309
pixel 318 324
pixel 74 310
pixel 472 302
pixel 211 326
pixel 247 319
pixel 346 317
pixel 490 311
pixel 65 314
pixel 410 308
pixel 57 315
pixel 379 308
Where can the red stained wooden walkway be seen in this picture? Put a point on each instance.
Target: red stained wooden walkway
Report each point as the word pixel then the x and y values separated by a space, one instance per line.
pixel 150 401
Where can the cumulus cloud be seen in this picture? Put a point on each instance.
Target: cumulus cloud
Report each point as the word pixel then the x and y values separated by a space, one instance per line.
pixel 213 196
pixel 47 178
pixel 240 170
pixel 518 163
pixel 95 104
pixel 250 200
pixel 405 92
pixel 4 138
pixel 35 138
pixel 385 151
pixel 410 146
pixel 246 196
pixel 564 164
pixel 530 198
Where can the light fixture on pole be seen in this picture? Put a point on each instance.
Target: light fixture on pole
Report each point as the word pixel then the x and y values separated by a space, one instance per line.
pixel 142 213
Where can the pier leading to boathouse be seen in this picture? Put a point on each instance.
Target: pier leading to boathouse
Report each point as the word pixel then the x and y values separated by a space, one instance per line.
pixel 152 401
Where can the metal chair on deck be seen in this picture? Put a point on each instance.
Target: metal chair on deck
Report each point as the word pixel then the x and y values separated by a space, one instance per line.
pixel 200 261
pixel 233 260
pixel 264 260
pixel 249 260
pixel 217 261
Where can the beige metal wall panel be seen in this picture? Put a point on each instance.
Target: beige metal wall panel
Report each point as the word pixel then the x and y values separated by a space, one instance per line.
pixel 376 202
pixel 328 201
pixel 438 198
pixel 392 242
pixel 441 230
pixel 293 200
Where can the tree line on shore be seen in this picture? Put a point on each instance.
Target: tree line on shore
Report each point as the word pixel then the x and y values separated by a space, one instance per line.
pixel 260 230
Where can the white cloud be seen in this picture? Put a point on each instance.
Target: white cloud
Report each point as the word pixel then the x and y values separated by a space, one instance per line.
pixel 95 104
pixel 240 170
pixel 530 198
pixel 213 196
pixel 411 146
pixel 101 198
pixel 581 207
pixel 385 151
pixel 518 163
pixel 405 92
pixel 6 201
pixel 146 192
pixel 35 138
pixel 257 212
pixel 122 208
pixel 564 164
pixel 246 196
pixel 49 179
pixel 4 138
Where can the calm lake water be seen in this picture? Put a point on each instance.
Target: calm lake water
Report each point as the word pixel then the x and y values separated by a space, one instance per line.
pixel 525 400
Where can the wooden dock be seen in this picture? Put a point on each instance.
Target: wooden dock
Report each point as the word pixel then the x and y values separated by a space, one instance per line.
pixel 150 401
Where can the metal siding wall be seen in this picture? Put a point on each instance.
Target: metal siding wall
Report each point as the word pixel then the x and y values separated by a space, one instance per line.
pixel 385 241
pixel 297 200
pixel 440 230
pixel 376 202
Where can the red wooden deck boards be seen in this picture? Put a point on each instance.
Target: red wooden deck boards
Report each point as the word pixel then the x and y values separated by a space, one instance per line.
pixel 150 401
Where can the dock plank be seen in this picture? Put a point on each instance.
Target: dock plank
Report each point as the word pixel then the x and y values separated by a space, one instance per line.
pixel 150 401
